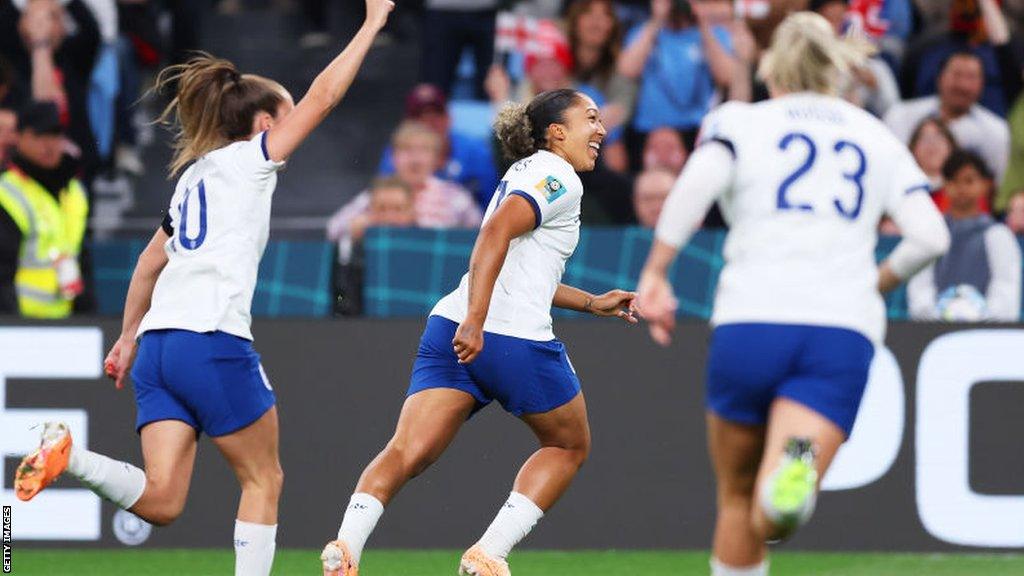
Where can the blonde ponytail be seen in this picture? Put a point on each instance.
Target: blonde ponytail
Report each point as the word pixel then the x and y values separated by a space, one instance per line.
pixel 514 131
pixel 806 55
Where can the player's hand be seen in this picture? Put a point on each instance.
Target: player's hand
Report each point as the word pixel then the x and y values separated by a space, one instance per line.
pixel 377 12
pixel 617 303
pixel 119 360
pixel 468 342
pixel 657 304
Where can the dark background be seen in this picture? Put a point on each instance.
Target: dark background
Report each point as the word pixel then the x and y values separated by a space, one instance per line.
pixel 648 484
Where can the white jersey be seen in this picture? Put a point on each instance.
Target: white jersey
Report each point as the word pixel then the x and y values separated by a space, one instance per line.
pixel 812 177
pixel 521 301
pixel 220 216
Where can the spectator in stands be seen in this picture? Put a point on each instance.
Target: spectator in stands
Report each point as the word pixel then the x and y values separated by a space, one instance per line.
pixel 464 160
pixel 8 134
pixel 391 204
pixel 931 144
pixel 449 27
pixel 43 210
pixel 975 128
pixel 973 26
pixel 55 46
pixel 980 277
pixel 664 150
pixel 595 39
pixel 872 86
pixel 649 192
pixel 679 56
pixel 1015 213
pixel 438 203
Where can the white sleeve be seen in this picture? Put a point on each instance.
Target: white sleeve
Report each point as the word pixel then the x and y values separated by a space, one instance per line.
pixel 1004 259
pixel 546 191
pixel 921 297
pixel 925 234
pixel 708 173
pixel 252 159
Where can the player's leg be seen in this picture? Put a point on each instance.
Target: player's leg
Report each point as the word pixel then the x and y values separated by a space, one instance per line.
pixel 564 436
pixel 429 420
pixel 252 453
pixel 157 494
pixel 811 417
pixel 735 451
pixel 790 471
pixel 535 381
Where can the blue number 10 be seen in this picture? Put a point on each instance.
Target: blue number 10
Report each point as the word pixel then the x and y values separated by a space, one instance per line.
pixel 811 151
pixel 186 242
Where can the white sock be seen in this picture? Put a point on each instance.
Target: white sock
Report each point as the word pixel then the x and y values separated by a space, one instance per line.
pixel 514 521
pixel 719 569
pixel 254 548
pixel 119 482
pixel 360 519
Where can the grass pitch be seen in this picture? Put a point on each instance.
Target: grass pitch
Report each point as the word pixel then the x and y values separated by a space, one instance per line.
pixel 526 563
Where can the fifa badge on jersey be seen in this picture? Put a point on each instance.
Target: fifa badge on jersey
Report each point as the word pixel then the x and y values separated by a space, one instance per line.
pixel 551 188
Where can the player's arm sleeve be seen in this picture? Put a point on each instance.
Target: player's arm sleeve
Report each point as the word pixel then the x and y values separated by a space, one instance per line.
pixel 708 174
pixel 1004 257
pixel 167 225
pixel 546 192
pixel 925 235
pixel 253 159
pixel 921 295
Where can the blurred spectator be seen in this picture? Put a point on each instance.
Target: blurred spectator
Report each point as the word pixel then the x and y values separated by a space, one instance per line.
pixel 650 190
pixel 449 27
pixel 679 56
pixel 42 220
pixel 391 204
pixel 980 277
pixel 975 128
pixel 464 160
pixel 104 83
pixel 595 39
pixel 8 134
pixel 664 150
pixel 931 144
pixel 548 64
pixel 6 82
pixel 872 86
pixel 1015 213
pixel 55 46
pixel 973 26
pixel 438 204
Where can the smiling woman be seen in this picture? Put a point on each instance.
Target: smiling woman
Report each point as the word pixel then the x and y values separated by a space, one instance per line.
pixel 531 228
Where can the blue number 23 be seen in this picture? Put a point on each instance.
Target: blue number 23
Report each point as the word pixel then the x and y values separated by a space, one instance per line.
pixel 811 151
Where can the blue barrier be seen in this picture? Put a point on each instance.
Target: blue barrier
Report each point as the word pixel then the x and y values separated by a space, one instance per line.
pixel 408 270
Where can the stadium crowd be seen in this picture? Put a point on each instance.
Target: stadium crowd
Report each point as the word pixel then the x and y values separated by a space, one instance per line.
pixel 947 79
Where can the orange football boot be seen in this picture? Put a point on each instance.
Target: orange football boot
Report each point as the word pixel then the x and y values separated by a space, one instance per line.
pixel 476 562
pixel 337 560
pixel 40 468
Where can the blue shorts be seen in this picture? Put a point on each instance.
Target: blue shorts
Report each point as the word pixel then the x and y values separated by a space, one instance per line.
pixel 525 376
pixel 212 381
pixel 823 368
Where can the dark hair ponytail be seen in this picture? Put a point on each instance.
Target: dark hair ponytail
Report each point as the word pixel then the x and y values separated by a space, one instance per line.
pixel 522 129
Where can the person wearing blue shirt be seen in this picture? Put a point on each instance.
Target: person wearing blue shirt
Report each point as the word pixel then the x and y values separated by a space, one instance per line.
pixel 468 161
pixel 680 57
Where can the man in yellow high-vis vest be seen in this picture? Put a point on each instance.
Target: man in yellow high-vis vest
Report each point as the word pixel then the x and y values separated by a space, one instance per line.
pixel 43 210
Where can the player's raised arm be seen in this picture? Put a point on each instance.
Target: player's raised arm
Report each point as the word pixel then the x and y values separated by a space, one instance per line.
pixel 329 87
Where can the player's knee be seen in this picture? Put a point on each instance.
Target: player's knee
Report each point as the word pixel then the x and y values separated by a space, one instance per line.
pixel 415 456
pixel 165 512
pixel 268 481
